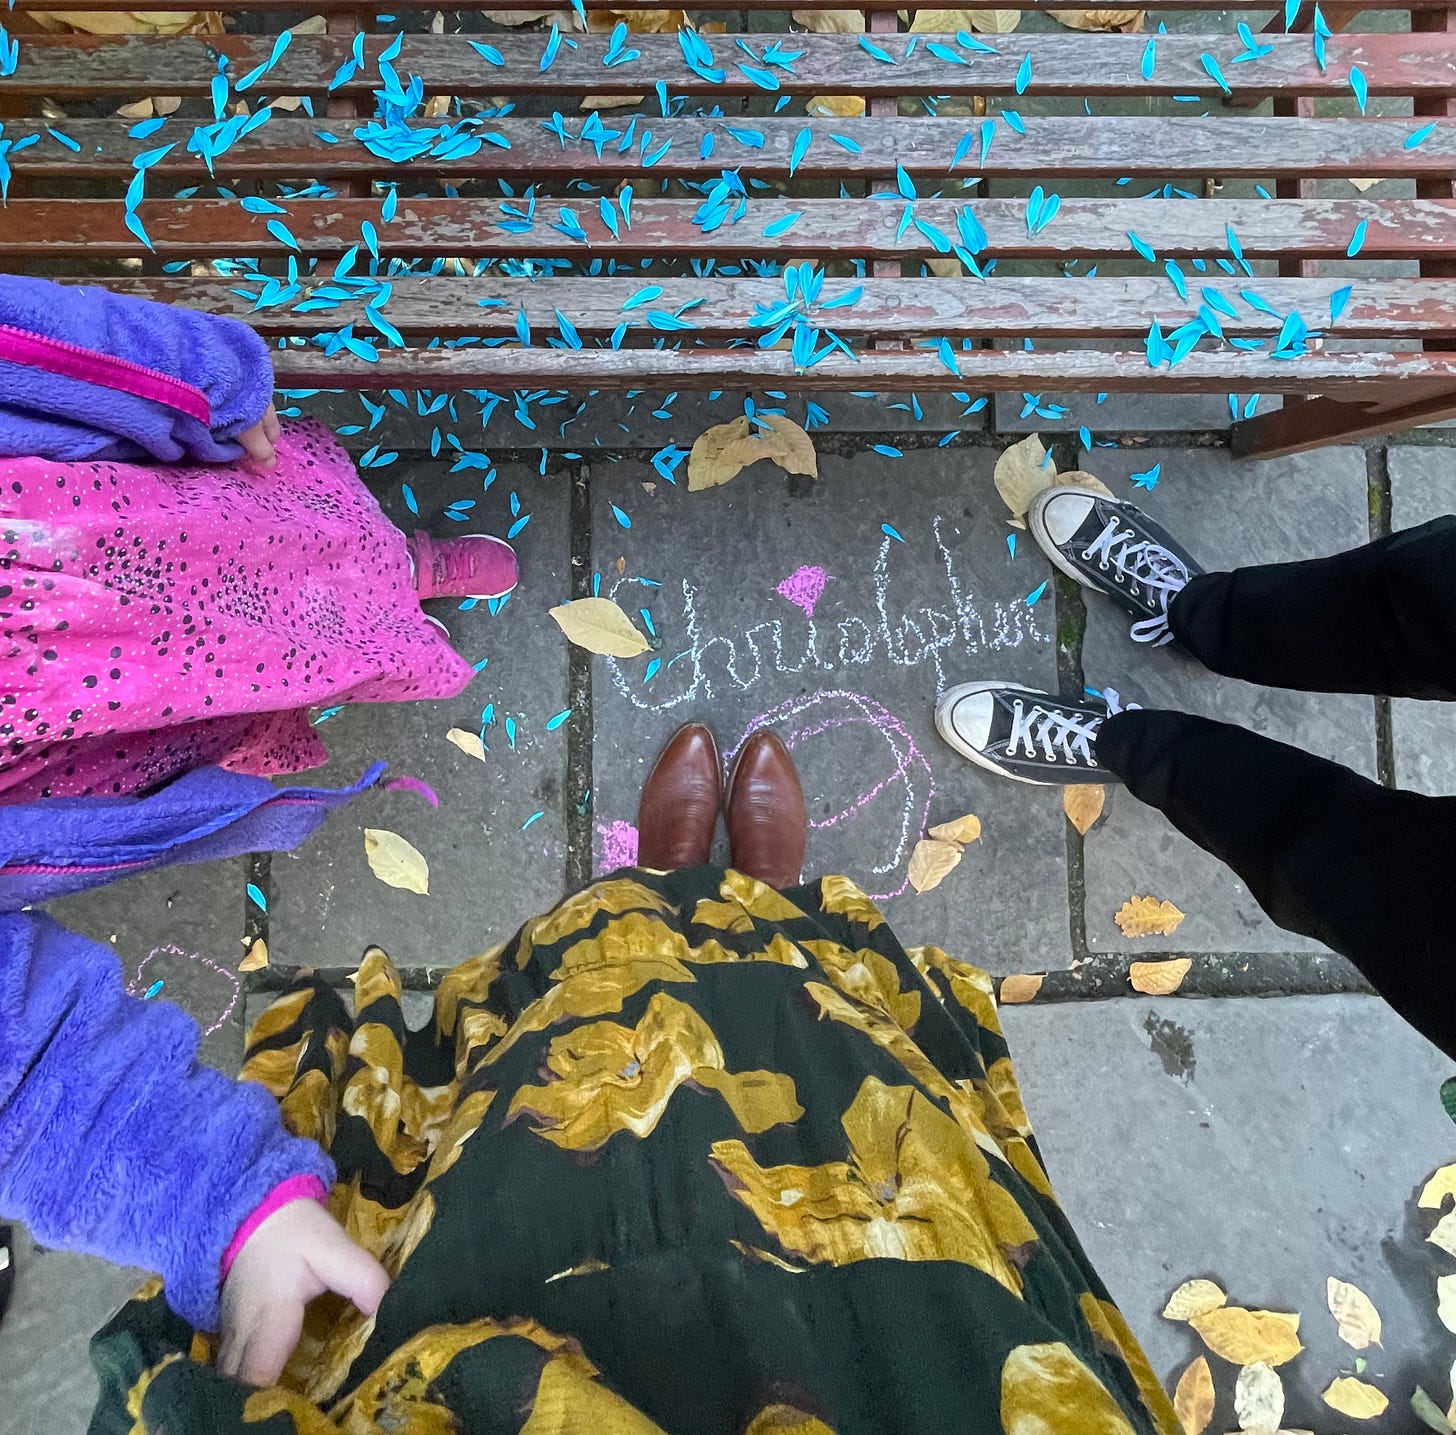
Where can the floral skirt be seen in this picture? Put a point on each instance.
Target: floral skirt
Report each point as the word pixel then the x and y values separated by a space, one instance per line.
pixel 686 1155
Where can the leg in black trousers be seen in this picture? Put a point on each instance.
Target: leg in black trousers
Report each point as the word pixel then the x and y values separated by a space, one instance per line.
pixel 1329 854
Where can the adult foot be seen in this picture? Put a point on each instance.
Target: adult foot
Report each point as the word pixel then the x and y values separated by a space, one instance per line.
pixel 1023 734
pixel 1115 548
pixel 680 802
pixel 768 824
pixel 475 565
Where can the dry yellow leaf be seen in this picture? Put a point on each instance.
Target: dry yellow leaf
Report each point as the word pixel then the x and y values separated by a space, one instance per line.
pixel 131 22
pixel 1158 979
pixel 1434 1192
pixel 1354 1398
pixel 1083 803
pixel 831 22
pixel 1147 917
pixel 468 742
pixel 1446 1304
pixel 610 102
pixel 600 626
pixel 948 268
pixel 256 958
pixel 1022 471
pixel 1259 1397
pixel 839 107
pixel 932 862
pixel 1358 1319
pixel 562 19
pixel 639 22
pixel 722 452
pixel 1128 21
pixel 1193 1397
pixel 1075 478
pixel 1020 987
pixel 1445 1233
pixel 1193 1298
pixel 1363 184
pixel 1243 1336
pixel 994 22
pixel 395 862
pixel 962 831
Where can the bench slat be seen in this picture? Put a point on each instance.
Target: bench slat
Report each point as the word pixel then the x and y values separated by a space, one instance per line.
pixel 471 228
pixel 883 370
pixel 1004 308
pixel 1053 147
pixel 77 66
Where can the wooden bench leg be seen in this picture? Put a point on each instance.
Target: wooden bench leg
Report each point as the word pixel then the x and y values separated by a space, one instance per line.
pixel 1314 423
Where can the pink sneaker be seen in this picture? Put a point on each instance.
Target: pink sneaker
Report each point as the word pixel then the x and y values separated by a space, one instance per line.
pixel 475 565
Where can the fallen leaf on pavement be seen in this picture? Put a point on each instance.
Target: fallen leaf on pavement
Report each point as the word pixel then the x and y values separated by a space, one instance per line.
pixel 256 958
pixel 831 22
pixel 1147 917
pixel 1354 1398
pixel 1193 1298
pixel 1075 478
pixel 962 831
pixel 395 862
pixel 1259 1397
pixel 1446 1301
pixel 1243 1336
pixel 1438 1188
pixel 1022 471
pixel 1020 987
pixel 638 22
pixel 838 106
pixel 600 626
pixel 1358 1319
pixel 467 742
pixel 1193 1397
pixel 722 452
pixel 948 22
pixel 1128 21
pixel 931 862
pixel 1444 1235
pixel 1083 803
pixel 1158 979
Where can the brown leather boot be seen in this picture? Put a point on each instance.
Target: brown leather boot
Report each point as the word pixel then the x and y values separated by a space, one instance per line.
pixel 680 802
pixel 768 825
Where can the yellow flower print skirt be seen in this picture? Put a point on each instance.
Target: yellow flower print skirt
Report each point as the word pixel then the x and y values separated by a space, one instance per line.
pixel 688 1155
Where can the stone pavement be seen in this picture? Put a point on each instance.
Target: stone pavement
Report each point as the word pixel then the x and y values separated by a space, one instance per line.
pixel 1266 1144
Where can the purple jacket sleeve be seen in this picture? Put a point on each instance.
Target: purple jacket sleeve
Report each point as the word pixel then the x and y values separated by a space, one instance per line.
pixel 113 1140
pixel 48 415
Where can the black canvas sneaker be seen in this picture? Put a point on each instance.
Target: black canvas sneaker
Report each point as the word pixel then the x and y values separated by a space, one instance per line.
pixel 1115 548
pixel 1023 734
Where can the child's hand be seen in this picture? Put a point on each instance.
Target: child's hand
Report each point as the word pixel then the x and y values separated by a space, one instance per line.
pixel 297 1253
pixel 258 442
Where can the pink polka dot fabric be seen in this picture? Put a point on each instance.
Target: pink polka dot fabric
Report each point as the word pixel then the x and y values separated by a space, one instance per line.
pixel 156 619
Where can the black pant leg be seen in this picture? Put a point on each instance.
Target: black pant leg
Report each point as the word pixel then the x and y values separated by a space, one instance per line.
pixel 1328 854
pixel 1378 619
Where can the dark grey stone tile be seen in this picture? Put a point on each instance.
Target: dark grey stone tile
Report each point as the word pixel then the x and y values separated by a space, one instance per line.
pixel 488 870
pixel 853 686
pixel 1423 487
pixel 1265 1145
pixel 1228 512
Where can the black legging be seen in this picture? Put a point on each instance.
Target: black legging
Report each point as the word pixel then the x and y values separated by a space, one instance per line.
pixel 1364 869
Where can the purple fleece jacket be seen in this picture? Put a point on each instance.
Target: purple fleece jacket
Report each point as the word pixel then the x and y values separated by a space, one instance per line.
pixel 62 417
pixel 113 1139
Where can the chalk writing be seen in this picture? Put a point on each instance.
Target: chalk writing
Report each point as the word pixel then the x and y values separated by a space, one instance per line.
pixel 711 663
pixel 166 957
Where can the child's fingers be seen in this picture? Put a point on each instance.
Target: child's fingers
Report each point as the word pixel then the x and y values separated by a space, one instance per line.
pixel 258 447
pixel 270 1343
pixel 350 1270
pixel 272 425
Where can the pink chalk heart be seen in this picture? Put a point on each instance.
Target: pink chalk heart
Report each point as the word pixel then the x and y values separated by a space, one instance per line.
pixel 804 587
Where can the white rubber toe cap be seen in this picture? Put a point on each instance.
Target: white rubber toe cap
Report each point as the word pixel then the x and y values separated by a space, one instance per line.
pixel 963 717
pixel 1060 512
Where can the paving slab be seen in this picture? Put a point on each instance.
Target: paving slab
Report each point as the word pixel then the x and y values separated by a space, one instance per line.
pixel 1265 1145
pixel 488 868
pixel 1228 512
pixel 1423 487
pixel 182 927
pixel 784 603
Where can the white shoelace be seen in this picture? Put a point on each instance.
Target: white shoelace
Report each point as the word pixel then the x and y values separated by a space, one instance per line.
pixel 1068 733
pixel 1145 565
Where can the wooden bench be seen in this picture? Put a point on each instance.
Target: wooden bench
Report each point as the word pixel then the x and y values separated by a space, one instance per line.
pixel 577 282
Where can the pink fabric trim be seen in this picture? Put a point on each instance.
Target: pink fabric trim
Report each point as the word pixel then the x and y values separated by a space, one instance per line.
pixel 295 1188
pixel 71 361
